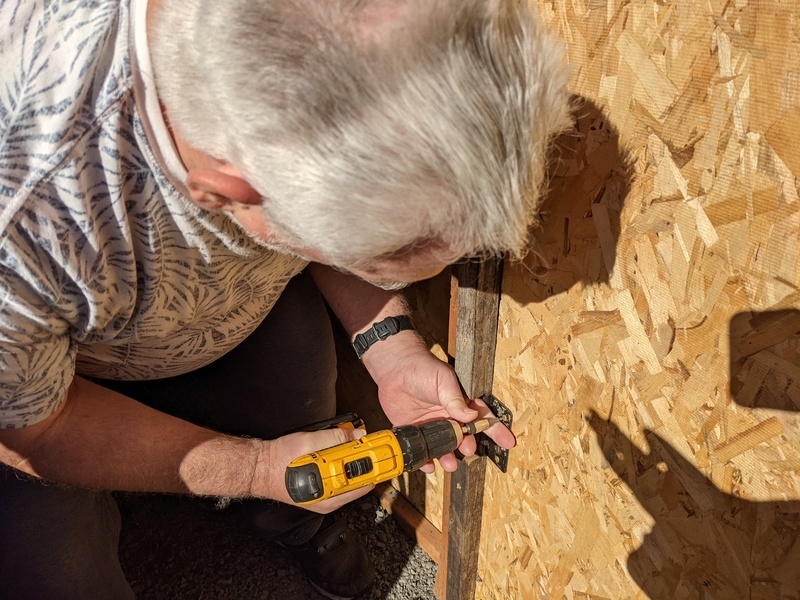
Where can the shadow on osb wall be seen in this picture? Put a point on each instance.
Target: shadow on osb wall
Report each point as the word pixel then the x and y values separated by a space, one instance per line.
pixel 704 543
pixel 765 359
pixel 589 178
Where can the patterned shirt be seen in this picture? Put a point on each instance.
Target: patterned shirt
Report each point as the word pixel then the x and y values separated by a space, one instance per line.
pixel 106 267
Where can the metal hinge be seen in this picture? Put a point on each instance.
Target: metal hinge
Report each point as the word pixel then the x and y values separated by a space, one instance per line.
pixel 486 446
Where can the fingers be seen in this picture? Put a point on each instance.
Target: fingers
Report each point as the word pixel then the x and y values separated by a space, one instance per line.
pixel 467 411
pixel 335 503
pixel 452 398
pixel 332 504
pixel 326 438
pixel 498 432
pixel 319 440
pixel 429 467
pixel 468 446
pixel 448 462
pixel 457 409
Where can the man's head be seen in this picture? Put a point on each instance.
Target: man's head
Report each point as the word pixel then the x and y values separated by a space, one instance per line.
pixel 375 134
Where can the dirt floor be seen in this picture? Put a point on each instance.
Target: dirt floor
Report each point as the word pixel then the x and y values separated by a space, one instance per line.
pixel 180 548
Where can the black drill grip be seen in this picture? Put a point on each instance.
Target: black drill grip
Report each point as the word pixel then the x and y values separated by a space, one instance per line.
pixel 421 443
pixel 440 437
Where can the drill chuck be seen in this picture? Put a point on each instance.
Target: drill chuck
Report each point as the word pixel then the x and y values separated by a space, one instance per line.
pixel 421 443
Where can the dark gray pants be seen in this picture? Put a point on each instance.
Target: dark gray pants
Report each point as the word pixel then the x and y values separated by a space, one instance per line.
pixel 58 542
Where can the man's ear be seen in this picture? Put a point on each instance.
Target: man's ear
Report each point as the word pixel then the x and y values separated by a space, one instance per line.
pixel 221 188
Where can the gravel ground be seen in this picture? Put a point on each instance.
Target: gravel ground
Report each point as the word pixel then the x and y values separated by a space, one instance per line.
pixel 180 548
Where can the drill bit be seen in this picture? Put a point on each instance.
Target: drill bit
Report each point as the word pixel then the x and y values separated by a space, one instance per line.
pixel 478 426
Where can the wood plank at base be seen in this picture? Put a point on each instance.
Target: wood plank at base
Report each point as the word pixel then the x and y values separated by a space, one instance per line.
pixel 410 520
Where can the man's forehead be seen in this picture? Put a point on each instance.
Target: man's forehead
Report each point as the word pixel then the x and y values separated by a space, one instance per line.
pixel 399 272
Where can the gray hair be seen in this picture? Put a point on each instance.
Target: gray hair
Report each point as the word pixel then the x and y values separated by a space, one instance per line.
pixel 370 134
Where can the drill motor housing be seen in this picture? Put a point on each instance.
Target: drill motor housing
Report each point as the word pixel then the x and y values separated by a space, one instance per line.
pixel 371 459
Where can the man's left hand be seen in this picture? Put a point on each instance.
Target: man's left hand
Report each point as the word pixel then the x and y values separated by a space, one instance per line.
pixel 414 386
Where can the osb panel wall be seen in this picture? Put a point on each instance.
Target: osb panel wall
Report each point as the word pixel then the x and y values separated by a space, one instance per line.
pixel 651 353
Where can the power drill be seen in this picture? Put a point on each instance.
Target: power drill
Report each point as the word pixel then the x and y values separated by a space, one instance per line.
pixel 374 458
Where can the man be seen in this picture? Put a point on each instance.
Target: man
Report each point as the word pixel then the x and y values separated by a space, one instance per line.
pixel 154 343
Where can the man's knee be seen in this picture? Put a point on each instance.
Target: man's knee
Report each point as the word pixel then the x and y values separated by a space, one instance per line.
pixel 287 367
pixel 58 542
pixel 298 339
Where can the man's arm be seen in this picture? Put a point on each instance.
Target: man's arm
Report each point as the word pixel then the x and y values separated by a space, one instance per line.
pixel 101 439
pixel 357 304
pixel 414 386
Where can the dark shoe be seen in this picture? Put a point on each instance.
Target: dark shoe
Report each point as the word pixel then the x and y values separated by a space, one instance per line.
pixel 335 561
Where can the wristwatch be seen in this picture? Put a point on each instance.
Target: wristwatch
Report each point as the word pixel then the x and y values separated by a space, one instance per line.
pixel 380 331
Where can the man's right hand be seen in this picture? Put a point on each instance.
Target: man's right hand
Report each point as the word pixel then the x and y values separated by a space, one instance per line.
pixel 271 468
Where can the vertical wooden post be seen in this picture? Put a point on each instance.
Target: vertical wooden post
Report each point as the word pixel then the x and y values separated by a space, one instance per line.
pixel 478 300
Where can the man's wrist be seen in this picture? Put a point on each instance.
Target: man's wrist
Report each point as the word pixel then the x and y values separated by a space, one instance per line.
pixel 380 331
pixel 268 472
pixel 262 459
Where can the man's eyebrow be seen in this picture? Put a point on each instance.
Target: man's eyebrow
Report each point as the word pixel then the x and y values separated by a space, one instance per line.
pixel 389 286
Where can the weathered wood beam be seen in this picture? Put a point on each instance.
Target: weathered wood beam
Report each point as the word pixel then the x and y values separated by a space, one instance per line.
pixel 476 292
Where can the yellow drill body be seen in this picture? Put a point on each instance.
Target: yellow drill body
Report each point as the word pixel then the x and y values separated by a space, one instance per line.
pixel 342 467
pixel 373 458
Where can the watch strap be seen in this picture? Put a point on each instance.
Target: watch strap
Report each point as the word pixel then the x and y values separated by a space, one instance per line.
pixel 380 331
